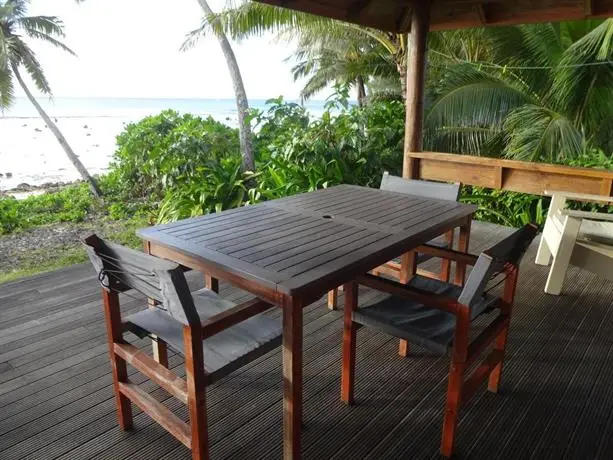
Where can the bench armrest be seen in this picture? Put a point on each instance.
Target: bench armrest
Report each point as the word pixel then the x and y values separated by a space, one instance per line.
pixel 587 215
pixel 580 196
pixel 233 316
pixel 448 254
pixel 397 289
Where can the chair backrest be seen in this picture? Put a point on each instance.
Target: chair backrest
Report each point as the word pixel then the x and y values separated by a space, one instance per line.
pixel 492 263
pixel 427 189
pixel 120 269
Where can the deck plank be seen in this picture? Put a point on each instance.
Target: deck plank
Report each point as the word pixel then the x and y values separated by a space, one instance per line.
pixel 556 400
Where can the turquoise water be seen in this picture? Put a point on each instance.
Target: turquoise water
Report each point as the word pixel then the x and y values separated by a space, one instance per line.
pixel 30 154
pixel 131 108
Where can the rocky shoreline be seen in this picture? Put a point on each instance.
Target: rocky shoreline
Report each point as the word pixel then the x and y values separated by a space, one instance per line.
pixel 24 190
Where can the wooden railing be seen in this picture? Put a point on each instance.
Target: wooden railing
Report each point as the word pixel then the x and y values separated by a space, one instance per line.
pixel 518 176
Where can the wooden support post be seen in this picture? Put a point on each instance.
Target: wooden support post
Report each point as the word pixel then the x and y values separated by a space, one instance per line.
pixel 416 70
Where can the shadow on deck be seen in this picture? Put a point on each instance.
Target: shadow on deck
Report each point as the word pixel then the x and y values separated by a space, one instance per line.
pixel 556 400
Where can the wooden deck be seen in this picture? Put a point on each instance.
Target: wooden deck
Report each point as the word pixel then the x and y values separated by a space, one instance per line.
pixel 556 401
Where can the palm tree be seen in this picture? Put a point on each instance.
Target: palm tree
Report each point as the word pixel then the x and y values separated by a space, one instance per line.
pixel 242 104
pixel 251 18
pixel 15 54
pixel 346 62
pixel 538 92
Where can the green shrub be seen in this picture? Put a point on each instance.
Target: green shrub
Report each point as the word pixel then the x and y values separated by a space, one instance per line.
pixel 70 204
pixel 167 150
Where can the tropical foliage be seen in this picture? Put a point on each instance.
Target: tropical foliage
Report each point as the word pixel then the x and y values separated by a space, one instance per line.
pixel 535 92
pixel 542 94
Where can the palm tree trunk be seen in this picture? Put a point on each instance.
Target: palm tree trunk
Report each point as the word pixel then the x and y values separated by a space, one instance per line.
pixel 74 159
pixel 242 105
pixel 361 91
pixel 402 70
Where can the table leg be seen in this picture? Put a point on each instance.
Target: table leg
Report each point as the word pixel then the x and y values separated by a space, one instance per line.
pixel 292 378
pixel 408 266
pixel 463 243
pixel 158 347
pixel 211 283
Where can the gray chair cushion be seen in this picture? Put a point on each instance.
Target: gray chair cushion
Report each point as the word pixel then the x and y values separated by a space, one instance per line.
pixel 223 352
pixel 425 326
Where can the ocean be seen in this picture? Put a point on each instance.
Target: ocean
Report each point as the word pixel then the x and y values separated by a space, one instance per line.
pixel 30 154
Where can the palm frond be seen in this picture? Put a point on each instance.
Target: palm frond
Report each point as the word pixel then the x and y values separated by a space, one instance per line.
pixel 7 90
pixel 28 59
pixel 49 25
pixel 50 40
pixel 541 134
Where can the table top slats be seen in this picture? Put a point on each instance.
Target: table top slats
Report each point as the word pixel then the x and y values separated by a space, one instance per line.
pixel 277 251
pixel 304 249
pixel 207 227
pixel 192 223
pixel 407 221
pixel 378 214
pixel 309 241
pixel 333 195
pixel 262 249
pixel 328 253
pixel 250 228
pixel 348 202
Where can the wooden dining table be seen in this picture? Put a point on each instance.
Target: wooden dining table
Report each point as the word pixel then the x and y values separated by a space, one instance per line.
pixel 291 251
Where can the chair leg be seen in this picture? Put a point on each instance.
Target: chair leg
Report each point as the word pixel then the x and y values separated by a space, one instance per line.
pixel 543 254
pixel 446 263
pixel 452 407
pixel 349 343
pixel 333 299
pixel 196 392
pixel 500 345
pixel 561 259
pixel 403 348
pixel 118 365
pixel 456 381
pixel 158 347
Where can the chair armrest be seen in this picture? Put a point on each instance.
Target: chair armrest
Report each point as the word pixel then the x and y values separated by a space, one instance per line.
pixel 397 289
pixel 233 316
pixel 581 196
pixel 587 215
pixel 448 254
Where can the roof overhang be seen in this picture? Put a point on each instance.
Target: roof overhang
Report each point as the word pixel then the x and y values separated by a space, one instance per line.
pixel 394 15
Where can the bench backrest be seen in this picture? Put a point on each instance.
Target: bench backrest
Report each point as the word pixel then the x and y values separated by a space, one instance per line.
pixel 120 268
pixel 427 189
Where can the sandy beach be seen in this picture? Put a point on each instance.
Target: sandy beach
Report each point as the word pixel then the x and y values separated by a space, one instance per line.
pixel 30 154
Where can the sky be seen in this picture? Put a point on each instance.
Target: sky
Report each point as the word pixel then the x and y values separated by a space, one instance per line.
pixel 130 48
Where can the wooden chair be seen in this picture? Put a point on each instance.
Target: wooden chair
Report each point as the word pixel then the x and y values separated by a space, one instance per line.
pixel 396 267
pixel 214 335
pixel 438 315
